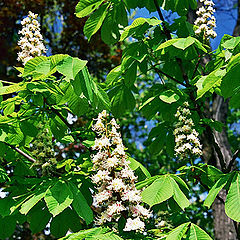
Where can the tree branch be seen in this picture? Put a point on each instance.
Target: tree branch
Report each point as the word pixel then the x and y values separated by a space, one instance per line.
pixel 235 155
pixel 167 75
pixel 166 31
pixel 61 117
pixel 21 152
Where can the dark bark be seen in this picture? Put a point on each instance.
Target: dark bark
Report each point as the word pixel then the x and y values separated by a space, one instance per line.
pixel 223 226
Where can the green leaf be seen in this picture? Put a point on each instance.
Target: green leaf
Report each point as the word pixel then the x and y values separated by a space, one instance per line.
pixel 230 82
pixel 159 191
pixel 179 196
pixel 59 224
pixel 130 74
pixel 139 26
pixel 232 204
pixel 178 233
pixel 7 226
pixel 78 105
pixel 70 66
pixel 80 204
pixel 95 21
pixel 196 233
pixel 29 204
pixel 206 83
pixel 58 198
pixel 93 234
pixel 122 101
pixel 38 217
pixel 184 43
pixel 85 7
pixel 12 88
pixel 215 190
pixel 169 96
pixel 134 165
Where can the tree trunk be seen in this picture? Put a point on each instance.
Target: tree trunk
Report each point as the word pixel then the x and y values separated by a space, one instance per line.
pixel 223 226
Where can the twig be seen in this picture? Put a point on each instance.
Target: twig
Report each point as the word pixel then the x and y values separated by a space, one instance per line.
pixel 174 79
pixel 61 117
pixel 235 155
pixel 166 31
pixel 21 152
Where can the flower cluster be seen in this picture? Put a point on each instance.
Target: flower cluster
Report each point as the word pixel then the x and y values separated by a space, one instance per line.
pixel 206 21
pixel 186 137
pixel 42 149
pixel 117 195
pixel 31 42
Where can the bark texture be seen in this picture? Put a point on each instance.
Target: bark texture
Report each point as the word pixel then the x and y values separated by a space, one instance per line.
pixel 224 227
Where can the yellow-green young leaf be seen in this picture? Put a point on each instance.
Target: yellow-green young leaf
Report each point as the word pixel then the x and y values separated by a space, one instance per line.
pixel 196 233
pixel 28 205
pixel 95 21
pixel 169 96
pixel 167 44
pixel 11 89
pixel 159 191
pixel 58 198
pixel 184 43
pixel 232 204
pixel 85 7
pixel 215 190
pixel 70 66
pixel 178 233
pixel 139 25
pixel 206 83
pixel 179 196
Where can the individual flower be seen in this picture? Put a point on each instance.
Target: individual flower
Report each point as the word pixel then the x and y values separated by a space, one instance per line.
pixel 134 224
pixel 31 42
pixel 186 137
pixel 206 22
pixel 115 181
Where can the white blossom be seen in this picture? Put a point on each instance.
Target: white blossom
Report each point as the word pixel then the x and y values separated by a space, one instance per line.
pixel 206 22
pixel 115 181
pixel 31 43
pixel 134 224
pixel 186 137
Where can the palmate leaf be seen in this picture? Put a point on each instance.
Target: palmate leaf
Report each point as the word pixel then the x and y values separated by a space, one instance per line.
pixel 178 233
pixel 182 44
pixel 58 198
pixel 93 234
pixel 193 233
pixel 70 66
pixel 179 196
pixel 139 26
pixel 232 204
pixel 159 191
pixel 196 233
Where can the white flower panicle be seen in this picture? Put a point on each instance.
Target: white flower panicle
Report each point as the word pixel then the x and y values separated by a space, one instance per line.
pixel 117 195
pixel 31 42
pixel 206 22
pixel 186 137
